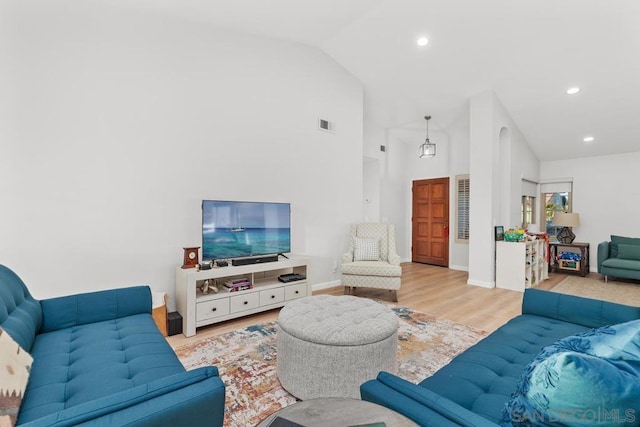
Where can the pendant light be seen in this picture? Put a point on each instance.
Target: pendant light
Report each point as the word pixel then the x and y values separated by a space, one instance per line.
pixel 428 149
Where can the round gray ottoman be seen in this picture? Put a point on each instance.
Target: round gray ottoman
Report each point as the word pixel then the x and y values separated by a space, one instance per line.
pixel 329 345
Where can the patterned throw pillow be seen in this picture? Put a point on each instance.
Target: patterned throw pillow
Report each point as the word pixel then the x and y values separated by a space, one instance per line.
pixel 15 364
pixel 366 249
pixel 592 378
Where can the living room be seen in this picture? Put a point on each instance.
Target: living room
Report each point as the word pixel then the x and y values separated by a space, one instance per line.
pixel 119 121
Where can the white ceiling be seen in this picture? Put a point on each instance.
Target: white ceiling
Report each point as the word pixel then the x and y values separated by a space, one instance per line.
pixel 527 52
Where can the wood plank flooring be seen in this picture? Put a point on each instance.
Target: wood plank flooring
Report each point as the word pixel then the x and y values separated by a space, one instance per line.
pixel 430 289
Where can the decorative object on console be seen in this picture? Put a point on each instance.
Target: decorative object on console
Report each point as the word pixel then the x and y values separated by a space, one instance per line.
pixel 566 220
pixel 207 265
pixel 499 232
pixel 190 257
pixel 428 149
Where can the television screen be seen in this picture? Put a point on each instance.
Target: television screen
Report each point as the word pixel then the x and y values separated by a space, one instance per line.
pixel 238 229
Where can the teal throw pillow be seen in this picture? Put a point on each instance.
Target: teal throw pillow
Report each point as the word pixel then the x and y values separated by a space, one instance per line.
pixel 617 240
pixel 628 251
pixel 592 378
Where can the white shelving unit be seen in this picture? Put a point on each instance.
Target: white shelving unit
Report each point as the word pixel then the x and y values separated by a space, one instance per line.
pixel 198 309
pixel 520 265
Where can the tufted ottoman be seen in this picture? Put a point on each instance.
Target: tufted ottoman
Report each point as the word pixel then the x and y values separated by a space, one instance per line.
pixel 329 345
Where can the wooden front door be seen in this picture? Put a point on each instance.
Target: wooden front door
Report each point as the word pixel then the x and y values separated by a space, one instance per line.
pixel 430 222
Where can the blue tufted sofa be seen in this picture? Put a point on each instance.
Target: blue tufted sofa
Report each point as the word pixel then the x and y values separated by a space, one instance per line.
pixel 100 360
pixel 473 389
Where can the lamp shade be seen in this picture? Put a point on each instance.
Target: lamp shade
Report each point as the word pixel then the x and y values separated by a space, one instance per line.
pixel 566 219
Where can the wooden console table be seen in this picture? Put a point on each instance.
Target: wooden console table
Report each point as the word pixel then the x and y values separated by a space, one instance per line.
pixel 567 266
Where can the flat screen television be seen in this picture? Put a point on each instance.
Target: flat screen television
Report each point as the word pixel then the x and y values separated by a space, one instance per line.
pixel 232 229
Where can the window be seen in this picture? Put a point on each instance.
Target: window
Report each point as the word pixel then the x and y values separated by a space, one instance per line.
pixel 528 211
pixel 462 209
pixel 556 197
pixel 529 192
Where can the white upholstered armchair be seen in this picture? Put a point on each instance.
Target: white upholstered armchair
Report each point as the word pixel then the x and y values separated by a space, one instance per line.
pixel 371 261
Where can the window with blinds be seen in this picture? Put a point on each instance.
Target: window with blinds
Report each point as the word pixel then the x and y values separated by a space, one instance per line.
pixel 462 209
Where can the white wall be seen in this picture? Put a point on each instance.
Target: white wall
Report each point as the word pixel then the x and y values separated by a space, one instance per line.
pixel 605 194
pixel 489 119
pixel 118 124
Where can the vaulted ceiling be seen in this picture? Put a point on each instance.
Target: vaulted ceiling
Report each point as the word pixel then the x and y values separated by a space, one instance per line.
pixel 528 52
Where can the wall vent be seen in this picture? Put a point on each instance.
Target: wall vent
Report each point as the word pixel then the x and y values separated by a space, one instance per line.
pixel 326 125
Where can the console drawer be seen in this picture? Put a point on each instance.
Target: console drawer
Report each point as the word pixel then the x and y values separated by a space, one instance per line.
pixel 244 302
pixel 211 309
pixel 271 296
pixel 298 290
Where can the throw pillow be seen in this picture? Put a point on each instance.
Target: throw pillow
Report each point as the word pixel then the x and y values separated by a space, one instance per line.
pixel 15 365
pixel 617 240
pixel 628 251
pixel 366 249
pixel 592 378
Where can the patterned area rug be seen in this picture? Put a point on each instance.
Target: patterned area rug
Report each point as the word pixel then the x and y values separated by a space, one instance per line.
pixel 246 359
pixel 627 293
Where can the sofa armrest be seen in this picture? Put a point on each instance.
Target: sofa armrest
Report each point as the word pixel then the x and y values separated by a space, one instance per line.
pixel 582 311
pixel 80 309
pixel 347 257
pixel 193 398
pixel 394 259
pixel 418 403
pixel 603 254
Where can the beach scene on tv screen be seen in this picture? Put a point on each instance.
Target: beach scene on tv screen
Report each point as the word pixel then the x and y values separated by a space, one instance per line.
pixel 236 229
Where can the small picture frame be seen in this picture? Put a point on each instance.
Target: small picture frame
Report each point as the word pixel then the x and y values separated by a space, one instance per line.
pixel 499 232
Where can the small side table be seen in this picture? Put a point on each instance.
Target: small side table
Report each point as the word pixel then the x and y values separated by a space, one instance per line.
pixel 556 265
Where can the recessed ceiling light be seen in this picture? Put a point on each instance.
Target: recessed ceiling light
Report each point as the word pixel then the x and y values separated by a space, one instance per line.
pixel 573 90
pixel 422 41
pixel 588 139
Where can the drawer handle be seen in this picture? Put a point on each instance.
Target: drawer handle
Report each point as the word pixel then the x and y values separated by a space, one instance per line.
pixel 246 302
pixel 214 308
pixel 273 296
pixel 297 292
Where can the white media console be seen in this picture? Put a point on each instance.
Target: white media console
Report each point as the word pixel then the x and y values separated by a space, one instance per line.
pixel 199 309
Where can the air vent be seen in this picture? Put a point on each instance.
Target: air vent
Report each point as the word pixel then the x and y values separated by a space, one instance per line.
pixel 326 125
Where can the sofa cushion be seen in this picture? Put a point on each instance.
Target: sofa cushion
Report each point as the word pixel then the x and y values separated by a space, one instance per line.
pixel 622 264
pixel 597 370
pixel 86 362
pixel 366 249
pixel 483 378
pixel 20 313
pixel 371 268
pixel 617 240
pixel 14 374
pixel 626 251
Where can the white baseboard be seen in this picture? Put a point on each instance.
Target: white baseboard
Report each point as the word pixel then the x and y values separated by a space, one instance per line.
pixel 481 283
pixel 325 285
pixel 459 267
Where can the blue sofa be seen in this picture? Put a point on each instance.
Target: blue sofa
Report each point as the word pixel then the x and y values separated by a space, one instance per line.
pixel 474 388
pixel 619 257
pixel 100 360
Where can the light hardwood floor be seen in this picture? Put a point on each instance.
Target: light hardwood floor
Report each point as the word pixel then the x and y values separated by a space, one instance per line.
pixel 430 289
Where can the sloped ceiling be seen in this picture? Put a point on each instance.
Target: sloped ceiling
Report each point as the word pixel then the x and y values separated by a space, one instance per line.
pixel 527 52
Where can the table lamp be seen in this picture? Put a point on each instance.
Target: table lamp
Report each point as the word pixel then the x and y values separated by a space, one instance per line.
pixel 566 220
